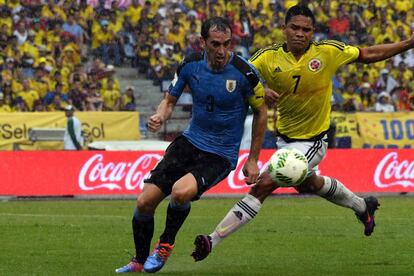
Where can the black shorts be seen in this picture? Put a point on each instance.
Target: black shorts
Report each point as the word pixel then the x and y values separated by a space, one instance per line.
pixel 181 157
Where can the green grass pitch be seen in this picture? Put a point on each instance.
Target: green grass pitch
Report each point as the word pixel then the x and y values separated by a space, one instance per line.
pixel 290 236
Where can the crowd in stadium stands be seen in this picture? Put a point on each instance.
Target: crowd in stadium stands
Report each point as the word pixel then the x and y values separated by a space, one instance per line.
pixel 47 47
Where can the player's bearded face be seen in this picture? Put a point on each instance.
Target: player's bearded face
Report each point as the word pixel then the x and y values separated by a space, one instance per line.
pixel 299 33
pixel 217 47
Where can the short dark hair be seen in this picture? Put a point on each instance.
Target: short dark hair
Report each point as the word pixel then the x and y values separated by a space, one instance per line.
pixel 221 23
pixel 299 10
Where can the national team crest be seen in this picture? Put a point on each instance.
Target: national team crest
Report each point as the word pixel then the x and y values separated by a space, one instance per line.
pixel 315 64
pixel 231 85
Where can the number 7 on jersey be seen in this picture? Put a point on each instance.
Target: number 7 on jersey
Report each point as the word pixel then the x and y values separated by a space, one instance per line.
pixel 297 78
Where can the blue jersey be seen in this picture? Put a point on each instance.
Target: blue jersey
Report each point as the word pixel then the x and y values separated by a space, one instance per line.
pixel 220 102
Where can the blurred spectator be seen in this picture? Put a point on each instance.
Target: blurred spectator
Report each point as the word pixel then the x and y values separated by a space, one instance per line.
pixel 28 95
pixel 192 39
pixel 133 13
pixel 411 101
pixel 352 101
pixel 402 74
pixel 19 105
pixel 21 32
pixel 367 97
pixel 4 36
pixel 143 51
pixel 128 43
pixel 8 72
pixel 161 45
pixel 109 75
pixel 3 106
pixel 128 100
pixel 57 104
pixel 403 101
pixel 39 106
pixel 338 26
pixel 48 99
pixel 384 103
pixel 77 96
pixel 261 39
pixel 111 97
pixel 106 44
pixel 72 27
pixel 406 57
pixel 52 11
pixel 97 70
pixel 176 35
pixel 158 67
pixel 386 82
pixel 94 100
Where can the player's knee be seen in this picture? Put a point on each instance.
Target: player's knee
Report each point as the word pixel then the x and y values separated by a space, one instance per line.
pixel 145 206
pixel 180 196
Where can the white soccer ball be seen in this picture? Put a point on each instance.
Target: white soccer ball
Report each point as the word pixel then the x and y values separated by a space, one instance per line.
pixel 288 167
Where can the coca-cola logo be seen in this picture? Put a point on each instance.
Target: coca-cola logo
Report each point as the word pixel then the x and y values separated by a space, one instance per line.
pixel 97 174
pixel 391 172
pixel 236 177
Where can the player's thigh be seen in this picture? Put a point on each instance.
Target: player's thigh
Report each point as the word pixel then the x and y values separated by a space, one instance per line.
pixel 314 151
pixel 172 166
pixel 209 170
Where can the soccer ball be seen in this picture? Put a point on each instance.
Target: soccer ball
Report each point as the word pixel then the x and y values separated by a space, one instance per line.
pixel 288 167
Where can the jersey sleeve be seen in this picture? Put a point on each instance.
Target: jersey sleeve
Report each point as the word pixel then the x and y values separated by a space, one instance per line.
pixel 341 53
pixel 260 61
pixel 257 98
pixel 255 91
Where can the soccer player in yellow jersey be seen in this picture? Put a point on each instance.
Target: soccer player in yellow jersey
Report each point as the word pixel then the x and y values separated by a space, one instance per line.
pixel 301 71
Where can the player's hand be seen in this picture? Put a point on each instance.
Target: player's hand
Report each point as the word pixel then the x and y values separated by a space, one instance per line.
pixel 250 171
pixel 271 97
pixel 154 123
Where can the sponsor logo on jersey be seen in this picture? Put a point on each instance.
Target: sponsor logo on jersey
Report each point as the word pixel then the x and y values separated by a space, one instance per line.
pixel 231 85
pixel 277 70
pixel 315 65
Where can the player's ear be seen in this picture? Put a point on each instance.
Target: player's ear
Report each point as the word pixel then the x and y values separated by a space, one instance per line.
pixel 203 42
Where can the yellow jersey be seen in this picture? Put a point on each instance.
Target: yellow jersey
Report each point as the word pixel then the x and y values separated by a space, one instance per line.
pixel 304 85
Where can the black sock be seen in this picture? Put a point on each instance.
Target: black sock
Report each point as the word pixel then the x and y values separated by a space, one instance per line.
pixel 176 215
pixel 143 228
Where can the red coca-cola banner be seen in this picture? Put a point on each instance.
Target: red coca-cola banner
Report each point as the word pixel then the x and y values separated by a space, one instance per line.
pixel 58 173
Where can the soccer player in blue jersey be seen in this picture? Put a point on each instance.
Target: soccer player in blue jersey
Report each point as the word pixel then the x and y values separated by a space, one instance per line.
pixel 223 86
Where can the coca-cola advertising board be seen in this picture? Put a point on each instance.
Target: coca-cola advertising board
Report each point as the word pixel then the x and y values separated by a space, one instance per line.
pixel 59 173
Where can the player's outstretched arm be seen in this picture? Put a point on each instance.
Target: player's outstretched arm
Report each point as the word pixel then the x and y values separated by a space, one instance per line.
pixel 383 51
pixel 164 111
